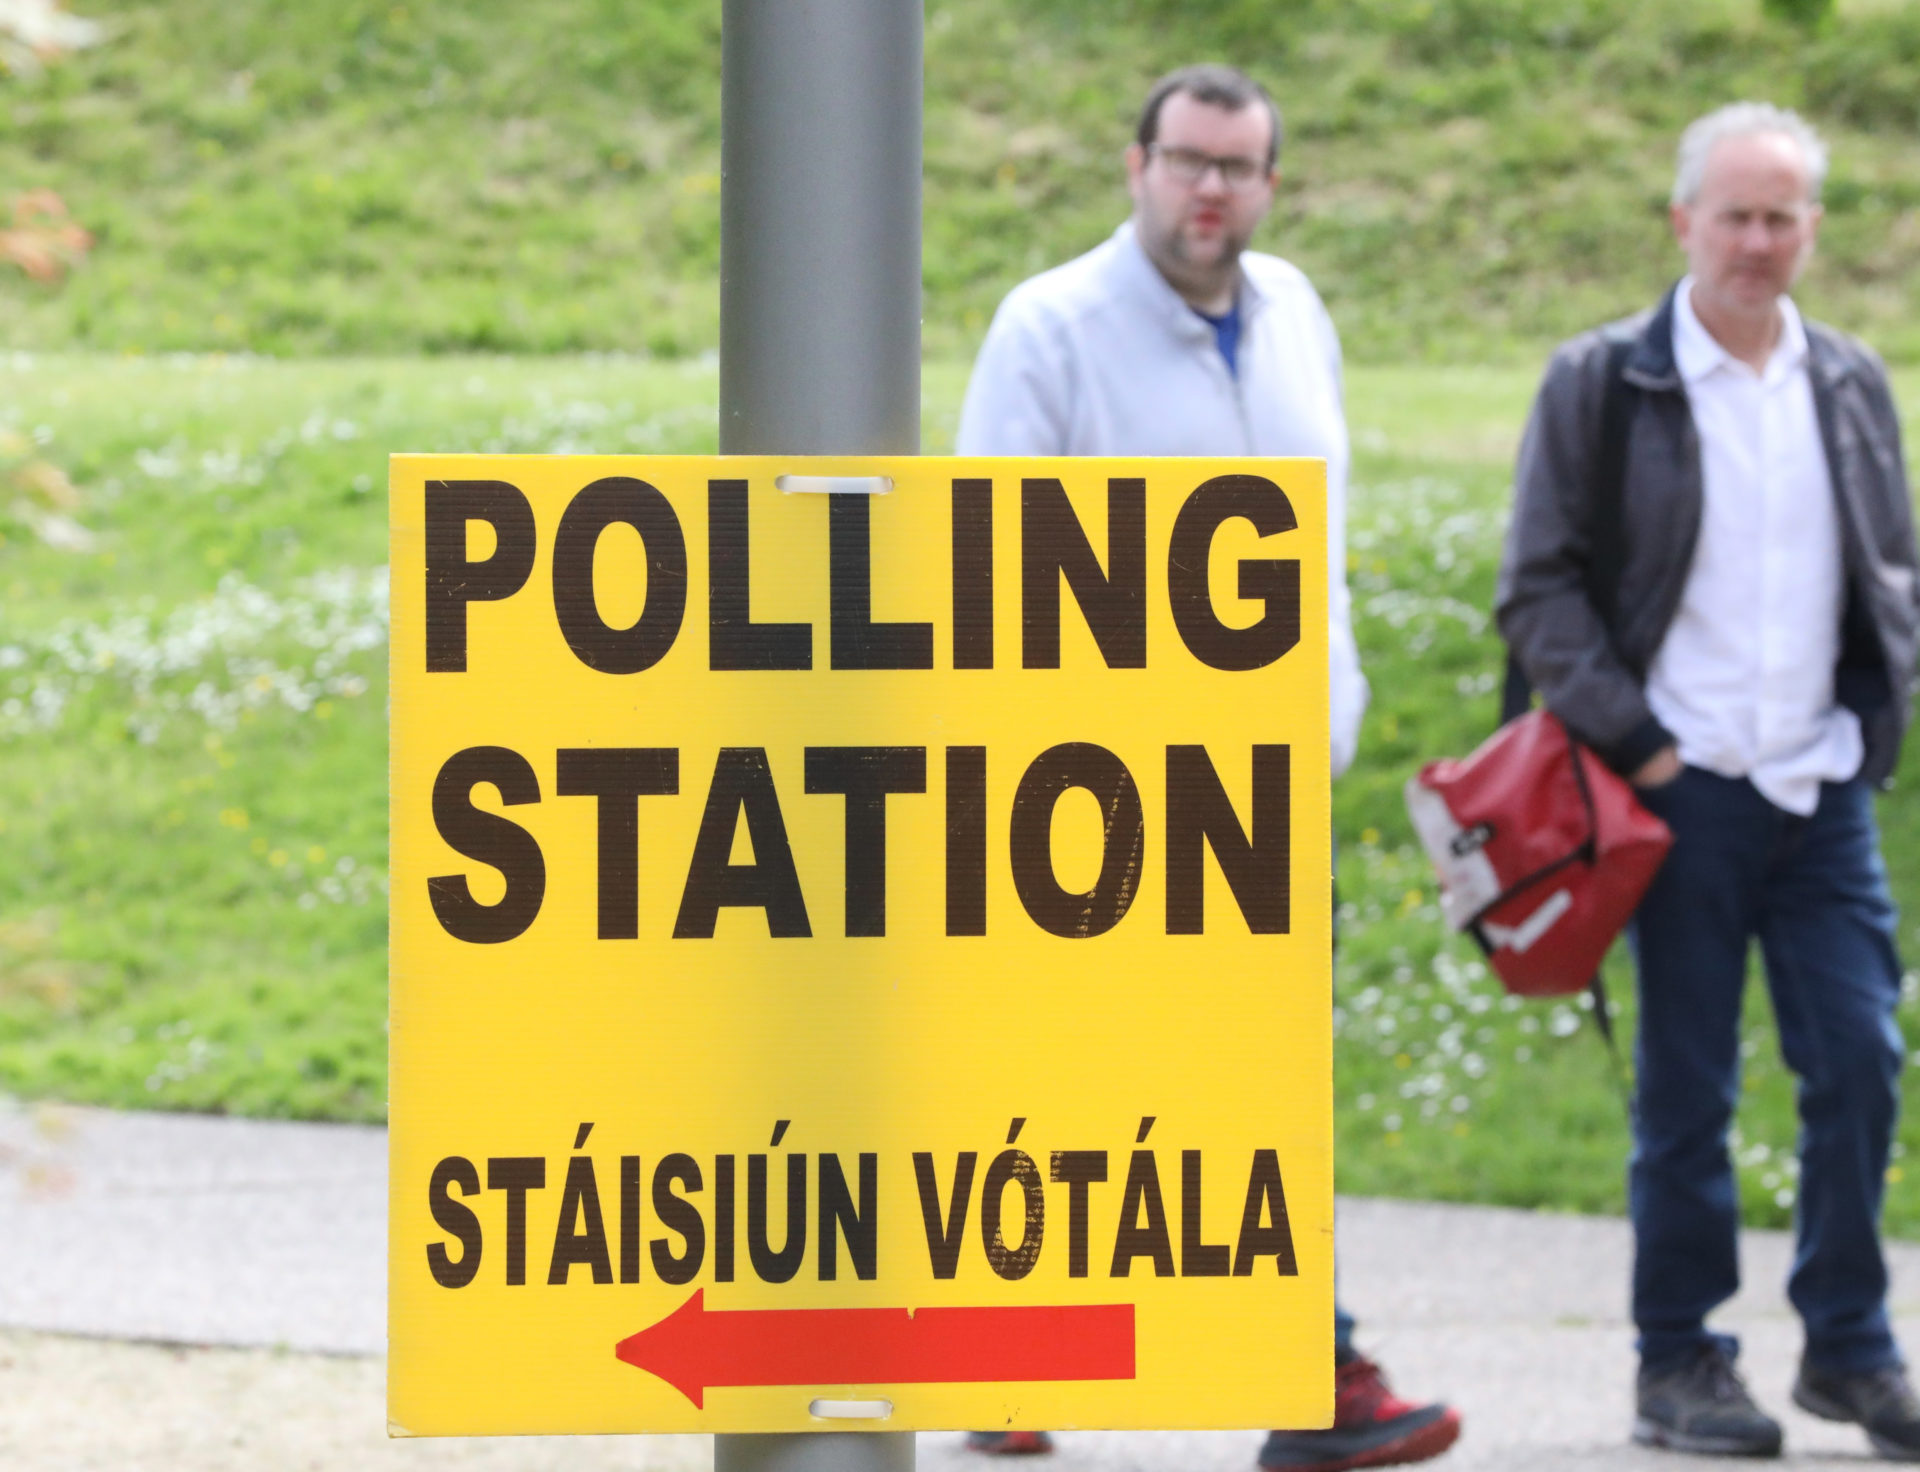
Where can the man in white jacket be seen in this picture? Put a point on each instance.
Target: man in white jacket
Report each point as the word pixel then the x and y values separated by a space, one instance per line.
pixel 1171 338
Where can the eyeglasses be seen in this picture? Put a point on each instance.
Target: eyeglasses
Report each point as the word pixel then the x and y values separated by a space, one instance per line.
pixel 1190 166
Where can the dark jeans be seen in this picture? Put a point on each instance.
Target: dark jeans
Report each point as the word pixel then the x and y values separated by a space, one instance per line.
pixel 1814 891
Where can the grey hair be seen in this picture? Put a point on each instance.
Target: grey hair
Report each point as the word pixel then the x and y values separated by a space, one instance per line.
pixel 1744 120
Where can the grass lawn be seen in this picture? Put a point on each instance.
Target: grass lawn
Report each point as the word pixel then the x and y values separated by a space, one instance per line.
pixel 1466 179
pixel 192 754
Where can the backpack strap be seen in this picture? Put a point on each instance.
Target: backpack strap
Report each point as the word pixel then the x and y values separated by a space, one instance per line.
pixel 1603 1021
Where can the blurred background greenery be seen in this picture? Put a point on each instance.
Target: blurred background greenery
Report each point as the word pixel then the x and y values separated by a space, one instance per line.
pixel 256 248
pixel 1466 179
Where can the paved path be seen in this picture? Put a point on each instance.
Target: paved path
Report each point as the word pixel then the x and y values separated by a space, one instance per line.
pixel 184 1293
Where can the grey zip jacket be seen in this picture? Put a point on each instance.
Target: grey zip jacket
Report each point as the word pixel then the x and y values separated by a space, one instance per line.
pixel 1594 677
pixel 1100 356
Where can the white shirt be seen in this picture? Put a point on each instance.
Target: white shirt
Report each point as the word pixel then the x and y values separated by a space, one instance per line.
pixel 1102 357
pixel 1744 678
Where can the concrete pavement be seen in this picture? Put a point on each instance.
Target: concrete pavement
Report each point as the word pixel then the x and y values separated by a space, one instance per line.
pixel 194 1229
pixel 189 1292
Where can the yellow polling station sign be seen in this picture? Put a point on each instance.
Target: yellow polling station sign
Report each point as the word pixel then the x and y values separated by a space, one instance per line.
pixel 860 947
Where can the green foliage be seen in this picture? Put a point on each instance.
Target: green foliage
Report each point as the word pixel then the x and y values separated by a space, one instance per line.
pixel 444 178
pixel 1804 13
pixel 1871 76
pixel 1465 180
pixel 193 749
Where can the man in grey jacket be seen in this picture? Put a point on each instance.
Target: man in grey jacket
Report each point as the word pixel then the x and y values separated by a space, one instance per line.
pixel 1710 577
pixel 1171 338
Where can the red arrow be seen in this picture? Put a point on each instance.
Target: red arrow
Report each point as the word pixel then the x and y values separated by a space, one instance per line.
pixel 692 1349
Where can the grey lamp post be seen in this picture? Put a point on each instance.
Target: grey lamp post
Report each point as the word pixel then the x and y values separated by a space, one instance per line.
pixel 820 323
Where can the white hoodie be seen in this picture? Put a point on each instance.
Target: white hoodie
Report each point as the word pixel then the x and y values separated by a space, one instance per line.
pixel 1101 356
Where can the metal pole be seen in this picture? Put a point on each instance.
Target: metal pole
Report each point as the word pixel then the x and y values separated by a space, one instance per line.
pixel 820 105
pixel 820 227
pixel 815 1451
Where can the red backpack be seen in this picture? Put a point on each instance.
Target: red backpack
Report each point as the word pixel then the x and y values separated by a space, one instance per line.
pixel 1542 851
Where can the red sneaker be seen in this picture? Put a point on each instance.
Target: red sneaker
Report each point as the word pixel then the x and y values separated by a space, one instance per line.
pixel 1372 1427
pixel 1010 1443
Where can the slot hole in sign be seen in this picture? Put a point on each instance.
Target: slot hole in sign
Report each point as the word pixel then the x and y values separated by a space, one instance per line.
pixel 834 485
pixel 850 1410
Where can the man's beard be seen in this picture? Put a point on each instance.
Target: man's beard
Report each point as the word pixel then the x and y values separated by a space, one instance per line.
pixel 1226 248
pixel 1172 252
